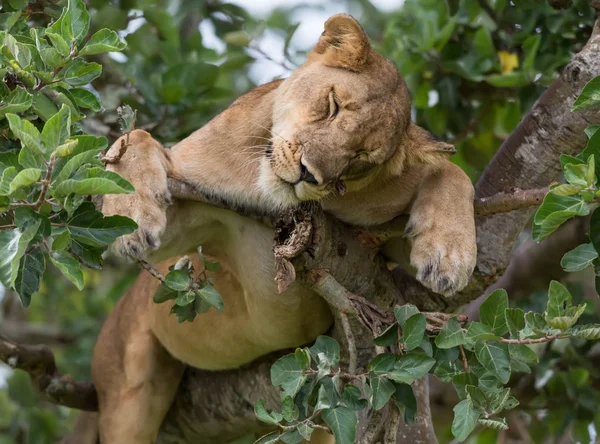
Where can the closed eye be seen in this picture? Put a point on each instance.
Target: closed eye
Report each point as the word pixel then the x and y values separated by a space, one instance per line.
pixel 334 107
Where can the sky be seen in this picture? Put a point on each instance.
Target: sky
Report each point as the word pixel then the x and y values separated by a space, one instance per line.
pixel 311 25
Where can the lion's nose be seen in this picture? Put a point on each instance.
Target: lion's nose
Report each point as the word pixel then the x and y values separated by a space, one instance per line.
pixel 307 176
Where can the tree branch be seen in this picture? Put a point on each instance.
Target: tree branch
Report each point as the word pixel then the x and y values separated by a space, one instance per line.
pixel 38 361
pixel 507 201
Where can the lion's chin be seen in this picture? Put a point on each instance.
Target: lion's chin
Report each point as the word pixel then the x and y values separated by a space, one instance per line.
pixel 284 194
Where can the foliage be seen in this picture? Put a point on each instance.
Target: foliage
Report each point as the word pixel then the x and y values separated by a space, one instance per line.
pixel 472 73
pixel 192 295
pixel 477 359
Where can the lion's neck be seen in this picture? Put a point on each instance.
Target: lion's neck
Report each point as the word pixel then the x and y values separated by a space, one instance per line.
pixel 222 158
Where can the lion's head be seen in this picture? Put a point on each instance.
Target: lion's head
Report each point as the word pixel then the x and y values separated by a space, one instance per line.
pixel 337 119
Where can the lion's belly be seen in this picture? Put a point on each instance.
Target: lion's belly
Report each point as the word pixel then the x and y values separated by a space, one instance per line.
pixel 217 341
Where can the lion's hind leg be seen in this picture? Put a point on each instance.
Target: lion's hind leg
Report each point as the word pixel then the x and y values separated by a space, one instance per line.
pixel 135 377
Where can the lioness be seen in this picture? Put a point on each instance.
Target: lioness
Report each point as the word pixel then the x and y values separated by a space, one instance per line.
pixel 344 115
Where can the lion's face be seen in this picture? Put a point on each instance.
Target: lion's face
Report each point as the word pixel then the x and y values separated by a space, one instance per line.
pixel 336 120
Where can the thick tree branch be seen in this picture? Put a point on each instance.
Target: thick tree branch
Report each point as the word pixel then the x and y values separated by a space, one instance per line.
pixel 38 361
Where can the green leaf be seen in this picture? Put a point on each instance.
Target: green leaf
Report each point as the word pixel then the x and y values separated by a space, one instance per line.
pixel 87 149
pixel 588 331
pixel 59 44
pixel 163 294
pixel 536 322
pixel 303 357
pixel 480 332
pixel 90 227
pixel 590 130
pixel 465 419
pixel 287 373
pixel 73 23
pixel 69 267
pixel 105 40
pixel 212 266
pixel 30 274
pixel 184 312
pixel 185 298
pixel 451 335
pixel 66 149
pixel 521 356
pixel 326 350
pixel 305 430
pixel 61 242
pixel 589 97
pixel 554 211
pixel 570 318
pixel 382 363
pixel 382 390
pixel 579 258
pixel 404 312
pixel 24 178
pixel 530 49
pixel 410 367
pixel 78 72
pixel 567 189
pixel 515 321
pixel 17 101
pixel 559 299
pixel 8 175
pixel 260 410
pixel 94 181
pixel 289 409
pixel 28 232
pixel 352 398
pixel 269 438
pixel 86 99
pixel 461 381
pixel 178 280
pixel 405 401
pixel 29 136
pixel 342 423
pixel 576 174
pixel 56 130
pixel 212 296
pixel 495 358
pixel 494 423
pixel 477 396
pixel 413 331
pixel 388 337
pixel 492 311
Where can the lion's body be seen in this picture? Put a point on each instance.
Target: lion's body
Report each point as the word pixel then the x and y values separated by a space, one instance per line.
pixel 343 116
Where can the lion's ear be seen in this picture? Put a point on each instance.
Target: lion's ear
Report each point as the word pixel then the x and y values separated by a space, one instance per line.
pixel 343 44
pixel 425 147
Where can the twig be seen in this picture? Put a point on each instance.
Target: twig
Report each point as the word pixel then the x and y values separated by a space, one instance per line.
pixel 351 344
pixel 150 269
pixel 38 361
pixel 507 201
pixel 534 341
pixel 464 358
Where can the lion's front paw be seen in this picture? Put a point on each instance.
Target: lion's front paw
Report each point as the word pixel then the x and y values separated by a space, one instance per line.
pixel 444 264
pixel 139 243
pixel 151 217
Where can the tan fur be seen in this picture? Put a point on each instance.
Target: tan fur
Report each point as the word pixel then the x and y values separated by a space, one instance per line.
pixel 343 117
